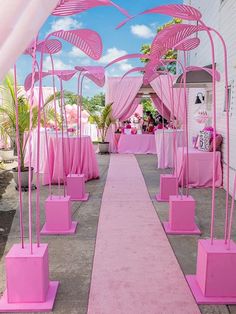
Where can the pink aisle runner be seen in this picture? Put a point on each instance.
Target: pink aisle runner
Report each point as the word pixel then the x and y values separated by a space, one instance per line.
pixel 135 270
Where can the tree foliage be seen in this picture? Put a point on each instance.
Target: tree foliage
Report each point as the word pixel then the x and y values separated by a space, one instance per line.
pixel 171 54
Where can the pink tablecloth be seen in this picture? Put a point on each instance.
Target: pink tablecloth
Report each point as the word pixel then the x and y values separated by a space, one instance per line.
pixel 137 144
pixel 71 158
pixel 164 146
pixel 200 167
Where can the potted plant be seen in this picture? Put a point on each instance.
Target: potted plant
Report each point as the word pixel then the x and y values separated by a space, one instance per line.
pixel 8 122
pixel 103 122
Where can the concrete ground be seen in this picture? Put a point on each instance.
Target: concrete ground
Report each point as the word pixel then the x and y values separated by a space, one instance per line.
pixel 185 247
pixel 71 257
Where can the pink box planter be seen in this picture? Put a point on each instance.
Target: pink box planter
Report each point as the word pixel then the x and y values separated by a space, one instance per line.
pixel 27 280
pixel 168 186
pixel 214 282
pixel 58 216
pixel 181 216
pixel 76 187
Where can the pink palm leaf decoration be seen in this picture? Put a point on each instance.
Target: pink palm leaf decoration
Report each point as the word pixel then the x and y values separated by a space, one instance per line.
pixel 65 75
pixel 188 44
pixel 169 37
pixel 128 56
pixel 71 7
pixel 49 46
pixel 94 73
pixel 86 40
pixel 136 69
pixel 28 79
pixel 181 11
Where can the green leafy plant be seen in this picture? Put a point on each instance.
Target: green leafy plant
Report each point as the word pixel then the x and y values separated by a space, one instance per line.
pixel 8 115
pixel 171 54
pixel 103 120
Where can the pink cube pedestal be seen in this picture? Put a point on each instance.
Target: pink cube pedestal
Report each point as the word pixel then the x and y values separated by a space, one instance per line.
pixel 76 187
pixel 168 186
pixel 58 216
pixel 181 216
pixel 215 280
pixel 27 280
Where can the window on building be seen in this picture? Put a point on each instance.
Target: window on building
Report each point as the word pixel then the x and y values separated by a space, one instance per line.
pixel 229 91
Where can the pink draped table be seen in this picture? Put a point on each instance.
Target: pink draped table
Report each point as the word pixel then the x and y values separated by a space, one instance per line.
pixel 137 144
pixel 165 148
pixel 200 168
pixel 71 158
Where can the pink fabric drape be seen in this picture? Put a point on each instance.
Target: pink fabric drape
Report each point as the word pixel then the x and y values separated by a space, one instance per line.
pixel 161 87
pixel 162 109
pixel 122 94
pixel 21 21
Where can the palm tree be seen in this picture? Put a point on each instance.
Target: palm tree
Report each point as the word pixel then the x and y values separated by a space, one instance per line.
pixel 8 115
pixel 103 121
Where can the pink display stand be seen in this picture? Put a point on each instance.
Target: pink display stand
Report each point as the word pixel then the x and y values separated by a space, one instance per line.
pixel 27 277
pixel 168 186
pixel 181 216
pixel 76 187
pixel 214 282
pixel 58 216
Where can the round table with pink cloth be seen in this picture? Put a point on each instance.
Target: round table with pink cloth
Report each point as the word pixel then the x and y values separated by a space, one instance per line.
pixel 89 165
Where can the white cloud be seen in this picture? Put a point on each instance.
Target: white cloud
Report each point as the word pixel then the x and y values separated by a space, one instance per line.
pixel 76 52
pixel 142 31
pixel 112 54
pixel 125 67
pixel 65 23
pixel 58 64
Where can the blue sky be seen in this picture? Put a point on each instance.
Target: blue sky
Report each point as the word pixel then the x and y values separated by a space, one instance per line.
pixel 127 39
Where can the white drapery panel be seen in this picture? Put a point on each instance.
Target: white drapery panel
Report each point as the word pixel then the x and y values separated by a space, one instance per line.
pixel 20 22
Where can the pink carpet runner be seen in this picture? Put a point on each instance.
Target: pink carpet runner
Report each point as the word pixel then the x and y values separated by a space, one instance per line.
pixel 135 270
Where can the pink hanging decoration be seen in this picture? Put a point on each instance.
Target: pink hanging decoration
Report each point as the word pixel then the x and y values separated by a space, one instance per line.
pixel 71 7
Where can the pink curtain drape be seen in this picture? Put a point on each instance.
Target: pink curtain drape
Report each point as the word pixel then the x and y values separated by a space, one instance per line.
pixel 162 88
pixel 20 22
pixel 162 109
pixel 122 94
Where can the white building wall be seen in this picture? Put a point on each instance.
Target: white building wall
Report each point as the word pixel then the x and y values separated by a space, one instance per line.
pixel 220 15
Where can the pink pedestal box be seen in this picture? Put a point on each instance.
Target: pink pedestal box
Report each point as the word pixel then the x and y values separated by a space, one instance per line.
pixel 27 277
pixel 181 216
pixel 214 282
pixel 168 186
pixel 76 187
pixel 58 216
